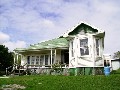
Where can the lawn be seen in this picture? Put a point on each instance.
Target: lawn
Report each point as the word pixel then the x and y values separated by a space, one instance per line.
pixel 37 82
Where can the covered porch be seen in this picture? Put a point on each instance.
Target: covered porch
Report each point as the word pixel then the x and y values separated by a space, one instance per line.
pixel 44 56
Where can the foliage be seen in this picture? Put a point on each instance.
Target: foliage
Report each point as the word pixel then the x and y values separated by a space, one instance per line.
pixel 39 82
pixel 117 54
pixel 57 68
pixel 6 57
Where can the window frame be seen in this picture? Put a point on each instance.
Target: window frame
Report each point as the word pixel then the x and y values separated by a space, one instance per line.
pixel 46 59
pixel 33 60
pixel 42 60
pixel 82 47
pixel 72 48
pixel 37 58
pixel 99 46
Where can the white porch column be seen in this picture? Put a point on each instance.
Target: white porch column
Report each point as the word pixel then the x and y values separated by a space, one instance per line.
pixel 14 58
pixel 55 56
pixel 17 58
pixel 51 57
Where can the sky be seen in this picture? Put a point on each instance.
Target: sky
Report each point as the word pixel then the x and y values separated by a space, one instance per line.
pixel 25 22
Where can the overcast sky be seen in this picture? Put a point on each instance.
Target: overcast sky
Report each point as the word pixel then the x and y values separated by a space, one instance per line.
pixel 25 22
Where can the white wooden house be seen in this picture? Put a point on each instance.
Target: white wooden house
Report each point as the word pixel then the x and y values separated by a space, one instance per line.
pixel 80 49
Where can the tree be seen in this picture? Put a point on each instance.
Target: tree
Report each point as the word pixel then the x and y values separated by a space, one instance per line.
pixel 6 58
pixel 117 54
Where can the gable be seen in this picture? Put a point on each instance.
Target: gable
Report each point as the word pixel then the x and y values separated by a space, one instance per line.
pixel 82 29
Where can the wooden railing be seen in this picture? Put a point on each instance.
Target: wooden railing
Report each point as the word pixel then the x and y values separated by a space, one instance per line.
pixel 46 66
pixel 10 67
pixel 14 67
pixel 26 67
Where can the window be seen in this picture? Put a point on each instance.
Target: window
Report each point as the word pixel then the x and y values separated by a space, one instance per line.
pixel 72 52
pixel 41 59
pixel 84 49
pixel 46 59
pixel 28 59
pixel 97 46
pixel 37 60
pixel 32 60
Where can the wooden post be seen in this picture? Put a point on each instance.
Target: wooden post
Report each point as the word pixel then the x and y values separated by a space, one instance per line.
pixel 51 57
pixel 55 56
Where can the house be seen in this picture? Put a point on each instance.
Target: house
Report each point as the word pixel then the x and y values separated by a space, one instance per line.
pixel 115 63
pixel 80 49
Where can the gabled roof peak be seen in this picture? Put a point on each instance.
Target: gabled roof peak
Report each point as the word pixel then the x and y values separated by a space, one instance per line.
pixel 80 24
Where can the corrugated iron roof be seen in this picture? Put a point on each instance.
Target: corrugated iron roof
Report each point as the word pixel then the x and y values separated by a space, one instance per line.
pixel 54 43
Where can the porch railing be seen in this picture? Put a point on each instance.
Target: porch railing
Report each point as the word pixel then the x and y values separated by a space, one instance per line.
pixel 40 69
pixel 46 66
pixel 14 67
pixel 32 68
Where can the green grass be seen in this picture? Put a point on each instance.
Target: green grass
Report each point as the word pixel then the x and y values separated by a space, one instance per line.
pixel 116 71
pixel 38 82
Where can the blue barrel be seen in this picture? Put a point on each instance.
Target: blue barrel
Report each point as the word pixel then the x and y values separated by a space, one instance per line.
pixel 107 71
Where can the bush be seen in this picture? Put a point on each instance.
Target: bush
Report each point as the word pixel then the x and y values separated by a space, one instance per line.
pixel 2 73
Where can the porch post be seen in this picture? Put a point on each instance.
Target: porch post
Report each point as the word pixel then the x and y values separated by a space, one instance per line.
pixel 17 58
pixel 55 56
pixel 51 57
pixel 14 58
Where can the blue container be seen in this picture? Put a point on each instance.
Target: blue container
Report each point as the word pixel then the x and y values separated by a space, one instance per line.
pixel 107 70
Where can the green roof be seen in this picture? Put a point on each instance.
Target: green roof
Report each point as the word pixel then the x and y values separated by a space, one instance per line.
pixel 54 43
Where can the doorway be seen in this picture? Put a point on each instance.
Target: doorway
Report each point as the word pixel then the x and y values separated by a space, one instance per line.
pixel 64 56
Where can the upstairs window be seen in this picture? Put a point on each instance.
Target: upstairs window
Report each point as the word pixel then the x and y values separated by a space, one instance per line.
pixel 84 49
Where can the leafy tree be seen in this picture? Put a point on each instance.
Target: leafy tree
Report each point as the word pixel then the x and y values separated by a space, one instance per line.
pixel 117 54
pixel 6 57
